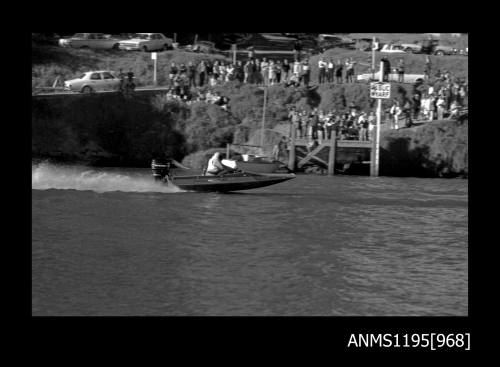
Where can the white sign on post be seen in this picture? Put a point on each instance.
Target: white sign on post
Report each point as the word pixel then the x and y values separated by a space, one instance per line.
pixel 153 55
pixel 380 90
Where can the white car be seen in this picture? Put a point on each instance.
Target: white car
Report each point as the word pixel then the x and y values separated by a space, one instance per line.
pixel 93 81
pixel 392 49
pixel 90 40
pixel 146 42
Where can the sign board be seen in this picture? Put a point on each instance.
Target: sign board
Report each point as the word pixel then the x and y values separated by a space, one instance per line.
pixel 153 55
pixel 380 90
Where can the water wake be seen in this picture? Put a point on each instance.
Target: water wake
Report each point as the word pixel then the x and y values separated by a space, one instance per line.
pixel 46 176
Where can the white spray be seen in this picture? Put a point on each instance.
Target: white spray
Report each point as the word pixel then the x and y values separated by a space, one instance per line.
pixel 46 176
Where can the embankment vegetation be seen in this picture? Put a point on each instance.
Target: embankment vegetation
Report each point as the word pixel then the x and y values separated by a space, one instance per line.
pixel 437 149
pixel 109 129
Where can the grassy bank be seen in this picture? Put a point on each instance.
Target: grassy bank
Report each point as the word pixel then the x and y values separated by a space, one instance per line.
pixel 108 129
pixel 49 62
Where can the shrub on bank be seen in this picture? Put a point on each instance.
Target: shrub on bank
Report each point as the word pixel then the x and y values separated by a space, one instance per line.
pixel 103 129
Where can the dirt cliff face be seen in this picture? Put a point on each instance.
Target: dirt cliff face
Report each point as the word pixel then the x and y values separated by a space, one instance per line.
pixel 436 149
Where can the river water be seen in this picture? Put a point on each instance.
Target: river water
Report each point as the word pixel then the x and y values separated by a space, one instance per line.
pixel 113 242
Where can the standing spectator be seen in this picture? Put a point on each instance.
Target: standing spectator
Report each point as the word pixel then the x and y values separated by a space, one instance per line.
pixel 264 69
pixel 295 120
pixel 425 107
pixel 314 124
pixel 210 69
pixel 321 70
pixel 257 76
pixel 278 68
pixel 372 120
pixel 202 70
pixel 230 72
pixel 182 70
pixel 328 125
pixel 240 75
pixel 440 104
pixel 306 70
pixel 247 70
pixel 285 70
pixel 352 109
pixel 338 72
pixel 416 106
pixel 172 73
pixel 222 72
pixel 395 112
pixel 306 124
pixel 448 97
pixel 407 110
pixel 215 70
pixel 432 107
pixel 363 127
pixel 330 71
pixel 386 69
pixel 272 72
pixel 454 108
pixel 350 70
pixel 428 67
pixel 191 74
pixel 401 70
pixel 319 129
pixel 463 95
pixel 297 70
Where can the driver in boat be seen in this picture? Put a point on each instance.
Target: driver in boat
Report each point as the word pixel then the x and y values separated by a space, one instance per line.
pixel 215 166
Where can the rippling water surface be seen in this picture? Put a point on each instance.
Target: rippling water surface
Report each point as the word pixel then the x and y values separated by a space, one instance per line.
pixel 315 245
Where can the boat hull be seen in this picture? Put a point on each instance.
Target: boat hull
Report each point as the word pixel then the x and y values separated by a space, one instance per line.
pixel 228 182
pixel 259 167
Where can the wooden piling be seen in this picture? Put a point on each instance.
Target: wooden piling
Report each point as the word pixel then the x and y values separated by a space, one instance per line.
pixel 331 156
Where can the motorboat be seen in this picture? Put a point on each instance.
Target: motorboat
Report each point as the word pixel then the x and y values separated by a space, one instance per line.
pixel 256 164
pixel 232 181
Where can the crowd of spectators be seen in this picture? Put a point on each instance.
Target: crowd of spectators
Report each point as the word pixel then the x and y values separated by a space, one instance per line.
pixel 440 96
pixel 261 72
pixel 443 96
pixel 189 96
pixel 318 125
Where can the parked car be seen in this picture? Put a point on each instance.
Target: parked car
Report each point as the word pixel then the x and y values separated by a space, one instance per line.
pixel 147 42
pixel 432 47
pixel 415 48
pixel 92 81
pixel 441 50
pixel 90 40
pixel 392 49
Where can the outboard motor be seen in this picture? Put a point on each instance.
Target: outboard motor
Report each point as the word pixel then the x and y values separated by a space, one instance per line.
pixel 160 168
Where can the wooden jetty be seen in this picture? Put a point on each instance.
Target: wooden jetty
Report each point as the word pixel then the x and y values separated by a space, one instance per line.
pixel 329 153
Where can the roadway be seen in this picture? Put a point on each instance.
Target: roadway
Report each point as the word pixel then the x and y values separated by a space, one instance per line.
pixel 61 93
